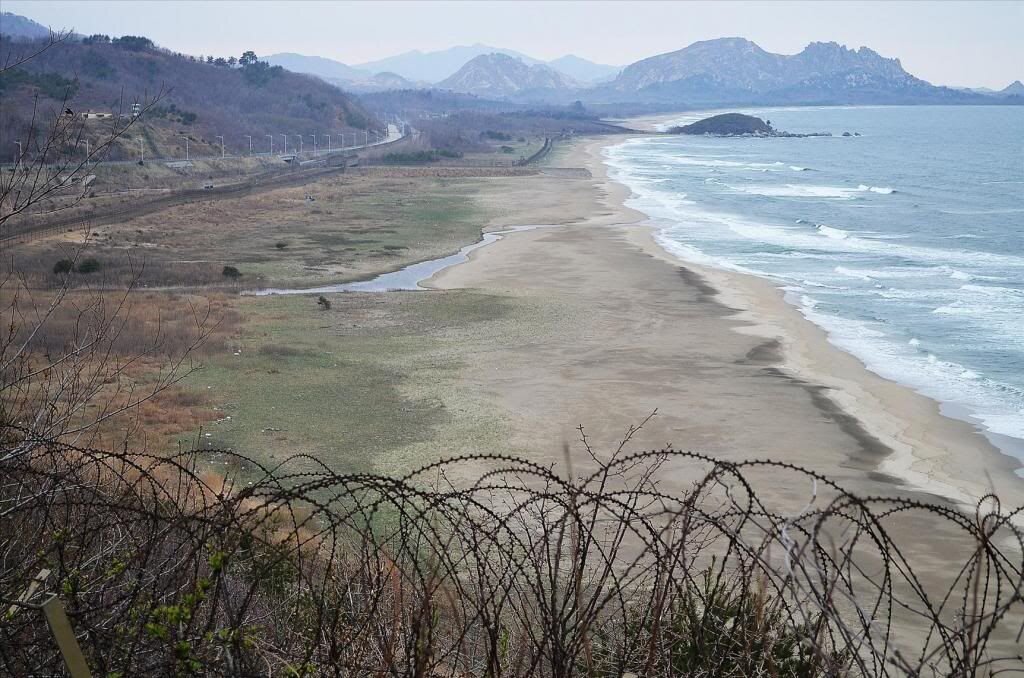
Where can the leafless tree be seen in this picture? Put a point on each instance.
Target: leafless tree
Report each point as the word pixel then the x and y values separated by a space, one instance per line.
pixel 66 355
pixel 67 358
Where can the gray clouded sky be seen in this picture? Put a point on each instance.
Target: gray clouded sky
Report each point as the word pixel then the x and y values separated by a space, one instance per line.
pixel 947 43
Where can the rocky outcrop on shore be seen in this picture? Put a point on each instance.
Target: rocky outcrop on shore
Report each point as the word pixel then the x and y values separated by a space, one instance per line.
pixel 738 125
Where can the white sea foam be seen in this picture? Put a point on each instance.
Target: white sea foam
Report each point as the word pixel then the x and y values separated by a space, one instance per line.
pixel 823 286
pixel 808 191
pixel 969 213
pixel 663 204
pixel 670 157
pixel 887 236
pixel 712 223
pixel 852 273
pixel 834 233
pixel 671 244
pixel 917 296
pixel 799 191
pixel 914 278
pixel 797 254
pixel 942 379
pixel 902 273
pixel 992 290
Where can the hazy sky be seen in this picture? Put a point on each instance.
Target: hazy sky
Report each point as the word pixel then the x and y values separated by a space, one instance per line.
pixel 947 43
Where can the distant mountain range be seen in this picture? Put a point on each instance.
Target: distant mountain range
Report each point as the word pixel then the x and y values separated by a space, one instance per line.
pixel 506 77
pixel 724 71
pixel 735 70
pixel 328 69
pixel 21 28
pixel 436 66
pixel 583 70
pixel 342 75
pixel 419 69
pixel 1015 88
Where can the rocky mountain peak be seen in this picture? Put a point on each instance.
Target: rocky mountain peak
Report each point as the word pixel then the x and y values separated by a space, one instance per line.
pixel 501 75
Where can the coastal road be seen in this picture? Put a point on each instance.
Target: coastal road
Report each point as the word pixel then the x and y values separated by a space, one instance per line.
pixel 306 170
pixel 309 156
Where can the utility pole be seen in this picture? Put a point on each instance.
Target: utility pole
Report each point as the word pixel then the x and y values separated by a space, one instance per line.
pixel 314 144
pixel 328 143
pixel 186 148
pixel 17 158
pixel 366 137
pixel 300 143
pixel 285 143
pixel 221 145
pixel 249 136
pixel 271 137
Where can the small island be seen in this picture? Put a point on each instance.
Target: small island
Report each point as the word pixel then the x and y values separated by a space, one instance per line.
pixel 737 125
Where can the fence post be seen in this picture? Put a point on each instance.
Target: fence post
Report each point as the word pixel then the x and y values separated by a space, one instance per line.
pixel 65 637
pixel 58 622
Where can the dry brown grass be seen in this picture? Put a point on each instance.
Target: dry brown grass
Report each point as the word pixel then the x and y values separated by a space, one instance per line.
pixel 357 225
pixel 148 333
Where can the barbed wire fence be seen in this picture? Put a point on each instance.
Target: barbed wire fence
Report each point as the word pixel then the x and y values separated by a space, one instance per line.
pixel 485 566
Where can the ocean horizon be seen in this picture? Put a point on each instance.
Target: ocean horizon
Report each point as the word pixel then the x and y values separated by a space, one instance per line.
pixel 903 240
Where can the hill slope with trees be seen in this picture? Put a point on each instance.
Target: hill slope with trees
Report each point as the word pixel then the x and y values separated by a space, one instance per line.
pixel 200 97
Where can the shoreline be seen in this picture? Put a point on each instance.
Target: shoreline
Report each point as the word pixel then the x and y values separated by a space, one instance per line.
pixel 903 440
pixel 907 429
pixel 1010 451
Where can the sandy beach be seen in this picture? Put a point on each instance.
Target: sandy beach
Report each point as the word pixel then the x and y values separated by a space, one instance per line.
pixel 613 328
pixel 619 328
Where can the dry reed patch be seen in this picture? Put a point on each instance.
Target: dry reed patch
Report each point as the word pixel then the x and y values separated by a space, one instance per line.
pixel 107 364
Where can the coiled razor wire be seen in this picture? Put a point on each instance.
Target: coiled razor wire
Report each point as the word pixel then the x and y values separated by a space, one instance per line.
pixel 166 567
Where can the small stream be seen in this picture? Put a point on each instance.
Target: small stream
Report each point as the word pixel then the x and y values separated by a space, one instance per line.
pixel 408 278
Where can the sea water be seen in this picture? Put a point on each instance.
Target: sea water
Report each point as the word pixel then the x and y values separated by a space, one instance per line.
pixel 906 243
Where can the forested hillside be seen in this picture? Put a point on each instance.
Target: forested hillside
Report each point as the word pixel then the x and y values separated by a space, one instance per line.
pixel 201 97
